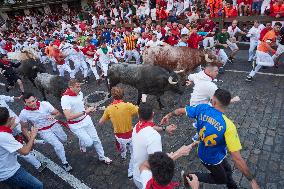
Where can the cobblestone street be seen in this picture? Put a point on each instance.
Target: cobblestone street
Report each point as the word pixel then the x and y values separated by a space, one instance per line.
pixel 259 117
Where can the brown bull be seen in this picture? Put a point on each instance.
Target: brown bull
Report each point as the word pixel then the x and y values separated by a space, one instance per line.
pixel 178 59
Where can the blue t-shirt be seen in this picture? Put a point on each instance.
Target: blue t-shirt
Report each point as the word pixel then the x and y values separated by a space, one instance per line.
pixel 216 132
pixel 106 36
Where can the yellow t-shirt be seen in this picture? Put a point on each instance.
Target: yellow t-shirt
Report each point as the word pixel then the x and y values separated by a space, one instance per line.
pixel 231 136
pixel 121 116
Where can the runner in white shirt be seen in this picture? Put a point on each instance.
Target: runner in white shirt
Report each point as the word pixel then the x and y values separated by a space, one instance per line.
pixel 42 115
pixel 145 139
pixel 186 29
pixel 80 123
pixel 154 42
pixel 11 172
pixel 17 132
pixel 254 34
pixel 232 42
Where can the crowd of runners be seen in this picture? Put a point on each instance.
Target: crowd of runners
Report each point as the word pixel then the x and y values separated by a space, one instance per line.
pixel 71 43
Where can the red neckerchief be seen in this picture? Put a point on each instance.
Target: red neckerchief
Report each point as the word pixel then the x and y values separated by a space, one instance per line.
pixel 152 184
pixel 143 124
pixel 117 101
pixel 69 92
pixel 5 62
pixel 234 27
pixel 209 76
pixel 33 109
pixel 5 129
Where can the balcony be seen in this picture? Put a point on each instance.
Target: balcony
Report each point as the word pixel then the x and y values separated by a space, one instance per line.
pixel 9 5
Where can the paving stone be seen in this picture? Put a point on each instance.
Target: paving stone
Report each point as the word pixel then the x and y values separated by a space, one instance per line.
pixel 271 186
pixel 269 140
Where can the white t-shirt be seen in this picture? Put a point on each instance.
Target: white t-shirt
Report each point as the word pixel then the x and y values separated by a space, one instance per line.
pixel 184 30
pixel 73 103
pixel 203 89
pixel 146 141
pixel 38 117
pixel 8 155
pixel 232 32
pixel 152 43
pixel 145 176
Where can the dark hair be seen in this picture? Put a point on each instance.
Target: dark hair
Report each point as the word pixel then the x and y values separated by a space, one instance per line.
pixel 117 93
pixel 278 24
pixel 72 82
pixel 4 115
pixel 27 95
pixel 145 111
pixel 162 167
pixel 223 96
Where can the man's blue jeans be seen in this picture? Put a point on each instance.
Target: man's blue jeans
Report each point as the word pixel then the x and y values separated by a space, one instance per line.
pixel 24 180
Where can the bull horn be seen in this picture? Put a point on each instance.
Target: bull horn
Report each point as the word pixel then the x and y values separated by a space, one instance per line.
pixel 171 81
pixel 207 59
pixel 34 67
pixel 180 71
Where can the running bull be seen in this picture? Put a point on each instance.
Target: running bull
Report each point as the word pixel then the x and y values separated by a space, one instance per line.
pixel 178 59
pixel 147 79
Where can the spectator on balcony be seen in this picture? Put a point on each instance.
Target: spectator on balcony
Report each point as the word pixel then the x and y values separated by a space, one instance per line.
pixel 162 13
pixel 171 17
pixel 170 39
pixel 256 6
pixel 230 11
pixel 244 7
pixel 194 38
pixel 277 10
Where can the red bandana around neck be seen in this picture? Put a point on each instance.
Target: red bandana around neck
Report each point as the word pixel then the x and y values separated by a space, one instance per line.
pixel 209 76
pixel 152 184
pixel 69 92
pixel 5 129
pixel 33 109
pixel 143 124
pixel 116 101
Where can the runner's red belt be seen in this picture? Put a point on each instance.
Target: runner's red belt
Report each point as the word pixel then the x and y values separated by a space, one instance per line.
pixel 126 135
pixel 77 121
pixel 48 127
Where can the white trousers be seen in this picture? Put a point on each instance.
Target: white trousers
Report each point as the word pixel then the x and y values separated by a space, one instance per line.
pixel 265 6
pixel 53 63
pixel 222 56
pixel 53 136
pixel 87 134
pixel 233 46
pixel 124 144
pixel 279 51
pixel 31 158
pixel 153 14
pixel 79 64
pixel 209 40
pixel 253 44
pixel 63 68
pixel 130 53
pixel 93 67
pixel 262 59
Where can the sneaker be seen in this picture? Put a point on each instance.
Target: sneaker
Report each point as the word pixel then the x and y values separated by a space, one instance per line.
pixel 106 160
pixel 67 167
pixel 130 177
pixel 249 78
pixel 42 167
pixel 195 137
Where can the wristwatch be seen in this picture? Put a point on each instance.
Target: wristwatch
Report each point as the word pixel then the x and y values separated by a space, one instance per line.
pixel 164 128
